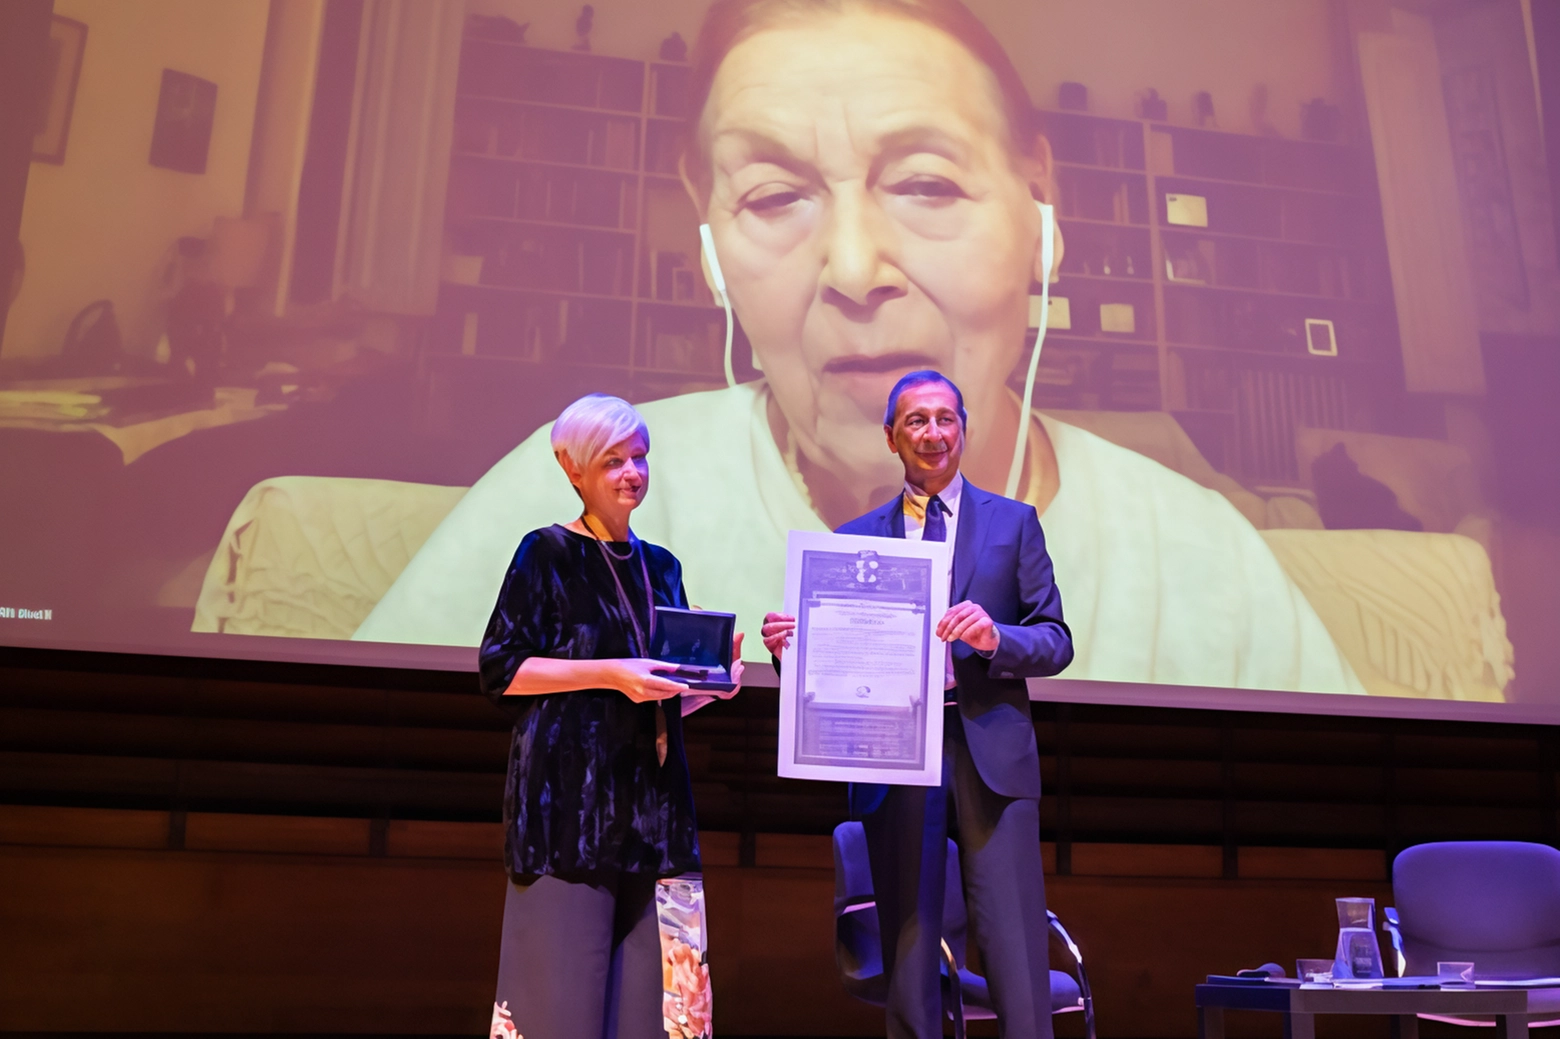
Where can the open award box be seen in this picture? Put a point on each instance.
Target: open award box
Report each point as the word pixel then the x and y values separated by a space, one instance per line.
pixel 699 643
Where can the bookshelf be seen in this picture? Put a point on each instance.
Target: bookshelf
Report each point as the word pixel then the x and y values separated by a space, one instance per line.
pixel 571 245
pixel 1196 260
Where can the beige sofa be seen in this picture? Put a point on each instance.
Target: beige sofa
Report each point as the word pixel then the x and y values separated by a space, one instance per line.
pixel 1417 614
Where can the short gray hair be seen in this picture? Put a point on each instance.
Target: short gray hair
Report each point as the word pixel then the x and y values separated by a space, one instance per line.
pixel 594 423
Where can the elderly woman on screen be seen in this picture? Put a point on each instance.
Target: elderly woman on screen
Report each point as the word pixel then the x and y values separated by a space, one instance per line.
pixel 597 804
pixel 869 171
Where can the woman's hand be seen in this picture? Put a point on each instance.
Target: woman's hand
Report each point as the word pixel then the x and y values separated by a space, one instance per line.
pixel 777 632
pixel 636 678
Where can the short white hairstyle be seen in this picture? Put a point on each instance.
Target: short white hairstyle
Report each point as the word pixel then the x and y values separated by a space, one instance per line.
pixel 594 423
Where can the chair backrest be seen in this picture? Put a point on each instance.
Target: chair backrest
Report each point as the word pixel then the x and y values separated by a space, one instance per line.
pixel 1496 903
pixel 852 871
pixel 858 943
pixel 857 939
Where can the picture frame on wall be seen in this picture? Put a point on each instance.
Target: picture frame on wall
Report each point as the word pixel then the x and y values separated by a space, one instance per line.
pixel 186 109
pixel 67 44
pixel 1320 338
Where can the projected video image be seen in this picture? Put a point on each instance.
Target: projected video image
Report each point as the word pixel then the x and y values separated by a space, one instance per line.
pixel 1290 430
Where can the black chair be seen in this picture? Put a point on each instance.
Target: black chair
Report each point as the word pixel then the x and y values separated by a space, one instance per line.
pixel 858 946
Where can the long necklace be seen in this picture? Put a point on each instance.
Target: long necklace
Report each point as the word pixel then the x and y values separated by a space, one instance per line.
pixel 641 641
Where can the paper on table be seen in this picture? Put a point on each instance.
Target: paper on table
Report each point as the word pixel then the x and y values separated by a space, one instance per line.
pixel 1517 982
pixel 861 685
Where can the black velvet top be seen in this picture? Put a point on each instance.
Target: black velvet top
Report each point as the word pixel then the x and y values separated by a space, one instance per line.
pixel 585 791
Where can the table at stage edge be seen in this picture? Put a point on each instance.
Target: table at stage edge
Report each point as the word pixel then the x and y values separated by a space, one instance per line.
pixel 1511 1008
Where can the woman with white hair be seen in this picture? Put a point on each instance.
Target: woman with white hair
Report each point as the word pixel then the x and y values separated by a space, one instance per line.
pixel 597 804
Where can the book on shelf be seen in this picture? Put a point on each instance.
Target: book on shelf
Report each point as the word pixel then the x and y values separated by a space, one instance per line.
pixel 1055 371
pixel 618 148
pixel 1121 205
pixel 1161 153
pixel 1175 382
pixel 468 333
pixel 1190 263
pixel 598 200
pixel 669 84
pixel 628 204
pixel 673 275
pixel 1270 272
pixel 1135 364
pixel 1332 276
pixel 606 267
pixel 1120 318
pixel 1107 146
pixel 674 351
pixel 621 87
pixel 661 149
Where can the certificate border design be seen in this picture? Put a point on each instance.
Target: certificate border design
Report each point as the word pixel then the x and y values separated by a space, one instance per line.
pixel 865 574
pixel 926 768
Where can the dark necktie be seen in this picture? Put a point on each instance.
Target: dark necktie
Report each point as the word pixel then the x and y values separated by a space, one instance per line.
pixel 935 528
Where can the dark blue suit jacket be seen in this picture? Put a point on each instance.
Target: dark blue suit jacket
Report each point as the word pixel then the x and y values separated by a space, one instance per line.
pixel 999 562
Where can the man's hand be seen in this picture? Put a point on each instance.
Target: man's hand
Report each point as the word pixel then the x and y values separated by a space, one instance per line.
pixel 969 622
pixel 777 632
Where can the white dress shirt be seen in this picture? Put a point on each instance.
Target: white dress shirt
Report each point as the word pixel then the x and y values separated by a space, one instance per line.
pixel 951 497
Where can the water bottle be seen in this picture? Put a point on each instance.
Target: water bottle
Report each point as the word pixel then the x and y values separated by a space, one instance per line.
pixel 1358 955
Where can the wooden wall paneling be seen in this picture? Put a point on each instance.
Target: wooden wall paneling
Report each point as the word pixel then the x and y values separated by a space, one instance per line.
pixel 320 943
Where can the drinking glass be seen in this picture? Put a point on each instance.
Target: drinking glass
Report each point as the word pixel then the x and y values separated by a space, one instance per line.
pixel 1358 955
pixel 1454 973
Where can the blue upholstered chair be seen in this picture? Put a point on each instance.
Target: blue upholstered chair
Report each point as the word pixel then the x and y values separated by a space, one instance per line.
pixel 858 947
pixel 1493 903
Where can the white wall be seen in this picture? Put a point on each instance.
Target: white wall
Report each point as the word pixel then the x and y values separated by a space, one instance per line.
pixel 281 139
pixel 101 225
pixel 1115 47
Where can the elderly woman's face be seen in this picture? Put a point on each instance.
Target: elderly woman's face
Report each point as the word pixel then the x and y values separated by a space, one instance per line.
pixel 615 481
pixel 870 219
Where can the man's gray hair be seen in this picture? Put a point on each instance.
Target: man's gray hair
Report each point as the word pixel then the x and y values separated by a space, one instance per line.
pixel 594 423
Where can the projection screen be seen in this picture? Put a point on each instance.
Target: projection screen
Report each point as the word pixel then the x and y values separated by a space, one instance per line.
pixel 304 286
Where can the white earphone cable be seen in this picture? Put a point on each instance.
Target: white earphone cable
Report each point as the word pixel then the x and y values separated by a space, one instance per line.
pixel 731 375
pixel 718 277
pixel 1047 254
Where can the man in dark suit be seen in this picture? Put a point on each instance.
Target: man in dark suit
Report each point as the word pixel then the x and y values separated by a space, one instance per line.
pixel 1006 626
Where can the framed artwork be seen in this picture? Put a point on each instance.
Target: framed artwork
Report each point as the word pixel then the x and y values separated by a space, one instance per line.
pixel 1320 339
pixel 62 64
pixel 181 136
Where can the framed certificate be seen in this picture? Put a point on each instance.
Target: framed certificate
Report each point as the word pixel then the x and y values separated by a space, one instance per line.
pixel 861 688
